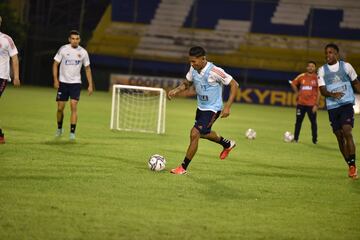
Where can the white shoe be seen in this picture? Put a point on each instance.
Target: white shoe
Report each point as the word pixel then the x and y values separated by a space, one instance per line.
pixel 72 136
pixel 59 132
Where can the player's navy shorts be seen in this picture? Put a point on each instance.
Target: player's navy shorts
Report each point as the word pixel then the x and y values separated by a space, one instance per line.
pixel 67 90
pixel 341 116
pixel 3 83
pixel 204 120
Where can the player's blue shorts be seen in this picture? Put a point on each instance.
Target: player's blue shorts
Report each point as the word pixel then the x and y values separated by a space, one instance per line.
pixel 204 120
pixel 3 83
pixel 341 116
pixel 67 90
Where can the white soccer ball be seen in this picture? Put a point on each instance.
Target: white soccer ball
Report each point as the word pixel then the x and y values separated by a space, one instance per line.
pixel 250 134
pixel 288 137
pixel 156 162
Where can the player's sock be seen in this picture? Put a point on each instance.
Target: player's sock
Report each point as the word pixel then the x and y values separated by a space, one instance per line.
pixel 1 133
pixel 351 160
pixel 60 123
pixel 224 142
pixel 72 128
pixel 185 163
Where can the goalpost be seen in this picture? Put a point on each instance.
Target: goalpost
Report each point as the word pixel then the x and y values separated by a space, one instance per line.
pixel 139 109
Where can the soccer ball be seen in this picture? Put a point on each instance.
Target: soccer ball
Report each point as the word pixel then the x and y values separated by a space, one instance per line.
pixel 250 134
pixel 156 162
pixel 288 136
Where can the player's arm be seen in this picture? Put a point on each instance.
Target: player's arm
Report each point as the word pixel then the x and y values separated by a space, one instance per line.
pixel 55 70
pixel 326 93
pixel 233 89
pixel 294 88
pixel 295 83
pixel 322 86
pixel 182 87
pixel 15 67
pixel 356 85
pixel 89 79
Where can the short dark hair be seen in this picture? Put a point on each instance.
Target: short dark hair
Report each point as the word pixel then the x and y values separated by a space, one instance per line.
pixel 313 62
pixel 197 51
pixel 332 45
pixel 74 32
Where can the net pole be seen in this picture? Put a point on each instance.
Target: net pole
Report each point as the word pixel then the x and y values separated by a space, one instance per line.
pixel 160 112
pixel 113 107
pixel 163 112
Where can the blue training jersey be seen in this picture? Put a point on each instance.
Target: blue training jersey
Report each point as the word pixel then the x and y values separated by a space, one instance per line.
pixel 209 95
pixel 338 82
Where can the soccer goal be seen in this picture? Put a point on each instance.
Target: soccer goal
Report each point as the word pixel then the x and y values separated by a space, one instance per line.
pixel 136 108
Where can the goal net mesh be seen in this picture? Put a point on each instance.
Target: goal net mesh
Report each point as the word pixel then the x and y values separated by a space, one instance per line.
pixel 136 108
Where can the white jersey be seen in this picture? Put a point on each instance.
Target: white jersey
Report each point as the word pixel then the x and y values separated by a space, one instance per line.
pixel 71 60
pixel 216 75
pixel 350 71
pixel 7 50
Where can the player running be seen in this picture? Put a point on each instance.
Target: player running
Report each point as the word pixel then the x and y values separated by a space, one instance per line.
pixel 306 87
pixel 337 79
pixel 208 80
pixel 71 58
pixel 7 50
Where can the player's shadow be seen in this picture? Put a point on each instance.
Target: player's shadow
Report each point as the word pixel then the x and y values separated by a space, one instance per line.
pixel 61 142
pixel 217 191
pixel 322 147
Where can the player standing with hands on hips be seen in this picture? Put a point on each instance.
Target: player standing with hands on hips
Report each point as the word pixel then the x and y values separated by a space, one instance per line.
pixel 337 81
pixel 71 58
pixel 7 50
pixel 306 87
pixel 208 80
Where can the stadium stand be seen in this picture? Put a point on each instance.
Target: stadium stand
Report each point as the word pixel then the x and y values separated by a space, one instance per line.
pixel 292 13
pixel 254 35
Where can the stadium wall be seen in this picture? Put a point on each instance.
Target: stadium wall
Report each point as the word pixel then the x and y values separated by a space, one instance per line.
pixel 253 95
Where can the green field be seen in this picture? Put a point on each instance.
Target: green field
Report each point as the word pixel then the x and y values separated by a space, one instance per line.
pixel 99 187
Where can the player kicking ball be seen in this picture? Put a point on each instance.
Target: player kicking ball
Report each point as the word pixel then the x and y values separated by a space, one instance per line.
pixel 208 80
pixel 71 58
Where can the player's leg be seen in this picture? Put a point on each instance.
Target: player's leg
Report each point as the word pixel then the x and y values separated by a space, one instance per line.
pixel 195 133
pixel 190 153
pixel 312 118
pixel 350 146
pixel 341 142
pixel 60 117
pixel 75 90
pixel 300 114
pixel 336 125
pixel 62 97
pixel 206 132
pixel 227 145
pixel 73 117
pixel 347 120
pixel 3 83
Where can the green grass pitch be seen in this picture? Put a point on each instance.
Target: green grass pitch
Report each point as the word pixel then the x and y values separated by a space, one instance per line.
pixel 100 187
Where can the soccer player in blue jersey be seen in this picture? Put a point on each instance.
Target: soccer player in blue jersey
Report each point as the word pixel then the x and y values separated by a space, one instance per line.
pixel 337 81
pixel 208 80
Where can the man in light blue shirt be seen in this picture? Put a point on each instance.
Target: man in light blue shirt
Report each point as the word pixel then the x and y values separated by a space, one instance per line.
pixel 208 80
pixel 337 81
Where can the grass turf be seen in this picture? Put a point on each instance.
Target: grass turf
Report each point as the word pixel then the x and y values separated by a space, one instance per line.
pixel 100 187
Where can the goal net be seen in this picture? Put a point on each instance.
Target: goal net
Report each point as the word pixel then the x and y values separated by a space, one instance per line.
pixel 140 109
